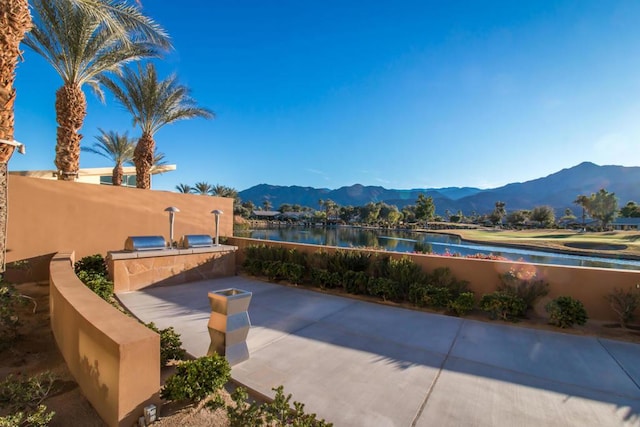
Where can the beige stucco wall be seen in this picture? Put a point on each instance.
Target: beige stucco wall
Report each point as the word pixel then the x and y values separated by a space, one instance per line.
pixel 589 285
pixel 114 358
pixel 133 271
pixel 49 216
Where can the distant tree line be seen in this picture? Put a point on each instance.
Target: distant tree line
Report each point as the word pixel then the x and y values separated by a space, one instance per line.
pixel 601 206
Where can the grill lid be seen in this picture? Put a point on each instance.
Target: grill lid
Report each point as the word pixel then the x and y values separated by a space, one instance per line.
pixel 144 243
pixel 196 241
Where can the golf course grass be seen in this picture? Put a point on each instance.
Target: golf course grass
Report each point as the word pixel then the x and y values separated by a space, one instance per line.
pixel 619 244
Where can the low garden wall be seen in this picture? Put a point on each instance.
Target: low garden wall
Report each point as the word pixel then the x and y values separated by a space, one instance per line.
pixel 131 271
pixel 589 285
pixel 114 358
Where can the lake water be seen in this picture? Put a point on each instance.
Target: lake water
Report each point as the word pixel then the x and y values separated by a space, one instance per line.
pixel 405 241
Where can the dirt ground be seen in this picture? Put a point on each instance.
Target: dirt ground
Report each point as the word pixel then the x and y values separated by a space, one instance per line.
pixel 35 351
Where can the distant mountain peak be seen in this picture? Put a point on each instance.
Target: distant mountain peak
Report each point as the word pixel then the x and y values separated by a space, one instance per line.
pixel 558 190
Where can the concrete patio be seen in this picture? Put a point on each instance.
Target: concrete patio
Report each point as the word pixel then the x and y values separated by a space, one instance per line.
pixel 362 364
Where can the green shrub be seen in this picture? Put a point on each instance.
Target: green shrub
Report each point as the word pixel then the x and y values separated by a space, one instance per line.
pixel 437 296
pixel 10 300
pixel 503 305
pixel 624 303
pixel 93 264
pixel 566 312
pixel 342 261
pixel 404 273
pixel 463 304
pixel 99 284
pixel 293 273
pixel 170 344
pixel 319 260
pixel 194 380
pixel 417 294
pixel 355 282
pixel 253 266
pixel 442 277
pixel 383 288
pixel 242 413
pixel 38 418
pixel 524 285
pixel 24 397
pixel 324 278
pixel 275 414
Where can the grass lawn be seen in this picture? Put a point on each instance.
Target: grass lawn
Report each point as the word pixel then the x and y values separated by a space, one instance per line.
pixel 608 243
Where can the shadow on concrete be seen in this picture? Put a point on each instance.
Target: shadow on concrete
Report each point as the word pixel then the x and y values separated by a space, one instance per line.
pixel 573 366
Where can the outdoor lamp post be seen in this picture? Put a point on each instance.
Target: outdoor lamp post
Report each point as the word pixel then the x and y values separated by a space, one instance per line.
pixel 217 213
pixel 172 210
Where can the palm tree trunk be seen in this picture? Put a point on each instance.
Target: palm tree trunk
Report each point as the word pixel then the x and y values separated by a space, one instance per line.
pixel 15 21
pixel 116 176
pixel 143 159
pixel 71 109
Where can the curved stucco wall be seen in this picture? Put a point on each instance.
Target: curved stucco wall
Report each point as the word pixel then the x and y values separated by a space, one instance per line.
pixel 589 285
pixel 47 216
pixel 114 358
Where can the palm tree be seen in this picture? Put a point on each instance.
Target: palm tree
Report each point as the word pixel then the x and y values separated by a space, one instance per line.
pixel 224 191
pixel 115 147
pixel 15 21
pixel 158 164
pixel 153 104
pixel 184 188
pixel 82 47
pixel 203 188
pixel 583 201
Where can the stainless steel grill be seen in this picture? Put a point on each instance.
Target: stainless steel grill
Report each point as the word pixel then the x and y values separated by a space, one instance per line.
pixel 144 243
pixel 196 241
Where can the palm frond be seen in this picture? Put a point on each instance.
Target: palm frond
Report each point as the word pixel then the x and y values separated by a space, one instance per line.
pixel 153 103
pixel 113 146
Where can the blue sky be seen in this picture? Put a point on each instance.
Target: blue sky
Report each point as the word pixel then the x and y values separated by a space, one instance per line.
pixel 406 94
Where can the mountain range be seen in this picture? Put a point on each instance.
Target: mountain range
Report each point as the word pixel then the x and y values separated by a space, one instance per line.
pixel 557 190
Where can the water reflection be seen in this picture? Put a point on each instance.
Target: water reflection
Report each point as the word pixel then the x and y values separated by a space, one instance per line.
pixel 407 241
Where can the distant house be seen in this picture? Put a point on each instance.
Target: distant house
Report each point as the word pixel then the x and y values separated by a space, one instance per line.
pixel 265 215
pixel 96 175
pixel 626 224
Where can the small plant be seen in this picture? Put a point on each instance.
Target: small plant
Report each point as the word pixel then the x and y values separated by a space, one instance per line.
pixel 566 311
pixel 443 278
pixel 276 414
pixel 324 278
pixel 383 288
pixel 99 284
pixel 24 397
pixel 463 304
pixel 523 283
pixel 94 264
pixel 170 344
pixel 503 305
pixel 92 271
pixel 194 380
pixel 38 418
pixel 9 320
pixel 624 303
pixel 242 413
pixel 437 296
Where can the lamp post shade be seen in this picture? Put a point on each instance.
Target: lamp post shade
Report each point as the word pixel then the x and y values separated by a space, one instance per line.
pixel 172 211
pixel 217 213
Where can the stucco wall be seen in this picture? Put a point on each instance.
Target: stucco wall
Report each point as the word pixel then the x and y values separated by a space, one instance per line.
pixel 114 358
pixel 589 285
pixel 133 271
pixel 50 216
